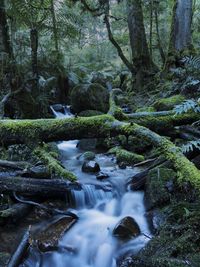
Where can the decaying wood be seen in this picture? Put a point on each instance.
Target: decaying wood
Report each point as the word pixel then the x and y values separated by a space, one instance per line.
pixel 14 213
pixel 16 165
pixel 21 250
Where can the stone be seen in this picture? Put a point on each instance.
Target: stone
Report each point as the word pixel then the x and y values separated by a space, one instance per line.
pixel 168 103
pixel 90 97
pixel 88 155
pixel 90 167
pixel 126 228
pixel 102 176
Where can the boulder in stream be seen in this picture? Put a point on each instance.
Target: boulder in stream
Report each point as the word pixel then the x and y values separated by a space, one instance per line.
pixel 126 228
pixel 90 167
pixel 88 155
pixel 102 176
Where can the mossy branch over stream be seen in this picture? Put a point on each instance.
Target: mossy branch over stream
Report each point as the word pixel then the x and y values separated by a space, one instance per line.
pixel 48 130
pixel 98 126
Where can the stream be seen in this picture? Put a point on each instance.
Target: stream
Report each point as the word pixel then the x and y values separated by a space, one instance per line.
pixel 100 205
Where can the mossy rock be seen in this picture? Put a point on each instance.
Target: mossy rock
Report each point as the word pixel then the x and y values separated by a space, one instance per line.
pixel 90 97
pixel 126 157
pixel 168 103
pixel 177 242
pixel 146 109
pixel 88 155
pixel 156 193
pixel 89 113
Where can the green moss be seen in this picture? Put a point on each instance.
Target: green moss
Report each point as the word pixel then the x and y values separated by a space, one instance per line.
pixel 90 97
pixel 177 241
pixel 168 103
pixel 54 166
pixel 146 109
pixel 89 113
pixel 88 155
pixel 125 156
pixel 156 191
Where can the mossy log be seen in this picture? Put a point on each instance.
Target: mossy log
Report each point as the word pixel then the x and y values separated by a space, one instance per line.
pixel 99 126
pixel 41 187
pixel 53 165
pixel 14 213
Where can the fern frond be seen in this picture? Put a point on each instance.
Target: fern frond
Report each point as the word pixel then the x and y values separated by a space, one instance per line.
pixel 187 105
pixel 189 147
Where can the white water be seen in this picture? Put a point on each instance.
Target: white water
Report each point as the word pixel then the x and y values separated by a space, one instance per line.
pixel 99 211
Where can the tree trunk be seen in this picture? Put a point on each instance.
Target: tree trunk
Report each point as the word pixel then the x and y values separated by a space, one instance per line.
pixel 4 32
pixel 34 51
pixel 55 31
pixel 162 53
pixel 181 35
pixel 140 52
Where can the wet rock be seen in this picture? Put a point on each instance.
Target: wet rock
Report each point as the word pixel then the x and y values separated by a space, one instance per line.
pixel 102 176
pixel 126 109
pixel 90 97
pixel 89 155
pixel 127 228
pixel 48 239
pixel 36 172
pixel 90 166
pixel 87 144
pixel 122 165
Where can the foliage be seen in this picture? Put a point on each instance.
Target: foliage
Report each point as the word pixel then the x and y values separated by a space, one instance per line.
pixel 187 105
pixel 190 146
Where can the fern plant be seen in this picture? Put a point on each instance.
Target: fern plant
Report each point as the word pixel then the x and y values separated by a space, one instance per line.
pixel 187 105
pixel 189 147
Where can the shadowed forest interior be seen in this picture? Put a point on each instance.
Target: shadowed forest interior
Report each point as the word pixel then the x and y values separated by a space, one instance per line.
pixel 100 133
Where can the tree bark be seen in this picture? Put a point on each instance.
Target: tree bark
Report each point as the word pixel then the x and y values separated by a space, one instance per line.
pixel 162 53
pixel 4 32
pixel 140 51
pixel 34 51
pixel 181 35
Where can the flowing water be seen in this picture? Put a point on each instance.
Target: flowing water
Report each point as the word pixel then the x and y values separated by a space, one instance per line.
pixel 100 205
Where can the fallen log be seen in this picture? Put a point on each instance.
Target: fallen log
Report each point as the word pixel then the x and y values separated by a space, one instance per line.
pixel 53 165
pixel 41 187
pixel 20 251
pixel 16 165
pixel 14 213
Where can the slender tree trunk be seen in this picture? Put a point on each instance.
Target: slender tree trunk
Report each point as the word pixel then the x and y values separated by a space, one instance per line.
pixel 162 53
pixel 34 51
pixel 151 29
pixel 55 31
pixel 181 35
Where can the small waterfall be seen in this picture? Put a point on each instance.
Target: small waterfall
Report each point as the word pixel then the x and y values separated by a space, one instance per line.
pixel 100 206
pixel 65 114
pixel 90 195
